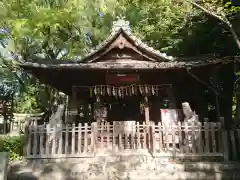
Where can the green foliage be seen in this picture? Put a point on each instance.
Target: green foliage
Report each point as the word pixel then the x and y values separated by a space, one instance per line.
pixel 54 30
pixel 157 22
pixel 63 29
pixel 50 29
pixel 27 102
pixel 231 8
pixel 12 144
pixel 35 98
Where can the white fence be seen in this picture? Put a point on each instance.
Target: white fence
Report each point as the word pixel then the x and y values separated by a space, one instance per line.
pixel 16 123
pixel 184 139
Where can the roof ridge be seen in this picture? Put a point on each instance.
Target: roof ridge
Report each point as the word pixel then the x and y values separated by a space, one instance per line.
pixel 122 25
pixel 132 65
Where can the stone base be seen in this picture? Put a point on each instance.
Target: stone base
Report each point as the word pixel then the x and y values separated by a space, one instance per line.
pixel 3 165
pixel 121 167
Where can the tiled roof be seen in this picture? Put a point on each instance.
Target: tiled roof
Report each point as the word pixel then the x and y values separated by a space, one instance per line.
pixel 124 65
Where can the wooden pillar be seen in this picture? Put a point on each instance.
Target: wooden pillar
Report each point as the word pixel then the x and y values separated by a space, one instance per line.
pixel 171 97
pixel 66 115
pixel 238 105
pixel 202 103
pixel 226 100
pixel 146 109
pixel 72 106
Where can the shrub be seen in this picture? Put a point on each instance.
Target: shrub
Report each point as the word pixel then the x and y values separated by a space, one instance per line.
pixel 13 145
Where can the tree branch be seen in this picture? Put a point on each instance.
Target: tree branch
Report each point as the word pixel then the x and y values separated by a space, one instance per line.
pixel 207 11
pixel 222 19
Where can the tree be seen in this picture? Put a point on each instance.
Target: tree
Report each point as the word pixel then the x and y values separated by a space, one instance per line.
pixel 157 22
pixel 218 11
pixel 53 30
pixel 222 13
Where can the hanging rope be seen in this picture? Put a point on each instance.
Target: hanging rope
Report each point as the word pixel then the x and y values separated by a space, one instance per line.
pixel 121 91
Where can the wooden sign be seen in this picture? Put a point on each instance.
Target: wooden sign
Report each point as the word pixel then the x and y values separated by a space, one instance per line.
pixel 122 79
pixel 169 119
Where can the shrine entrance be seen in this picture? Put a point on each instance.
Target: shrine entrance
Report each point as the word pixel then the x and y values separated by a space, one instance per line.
pixel 124 109
pixel 108 103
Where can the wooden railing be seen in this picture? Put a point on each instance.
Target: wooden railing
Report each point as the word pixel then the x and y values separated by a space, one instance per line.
pixel 231 138
pixel 183 139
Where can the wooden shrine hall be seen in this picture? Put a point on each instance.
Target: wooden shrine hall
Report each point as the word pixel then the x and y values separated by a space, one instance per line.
pixel 123 79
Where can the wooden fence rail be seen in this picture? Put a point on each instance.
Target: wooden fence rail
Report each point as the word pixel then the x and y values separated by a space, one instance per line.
pixel 16 124
pixel 232 140
pixel 182 139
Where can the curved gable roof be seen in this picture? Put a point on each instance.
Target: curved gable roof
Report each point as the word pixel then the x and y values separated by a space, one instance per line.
pixel 120 33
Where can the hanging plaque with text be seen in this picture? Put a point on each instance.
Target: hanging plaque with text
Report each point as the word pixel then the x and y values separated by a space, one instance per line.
pixel 116 79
